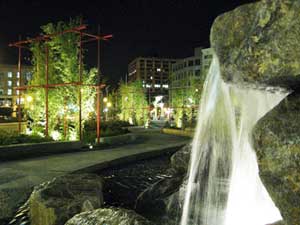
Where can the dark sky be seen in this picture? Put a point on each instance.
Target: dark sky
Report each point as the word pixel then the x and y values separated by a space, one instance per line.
pixel 166 28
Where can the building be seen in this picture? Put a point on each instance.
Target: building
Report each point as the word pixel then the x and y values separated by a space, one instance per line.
pixel 186 80
pixel 207 55
pixel 154 74
pixel 9 80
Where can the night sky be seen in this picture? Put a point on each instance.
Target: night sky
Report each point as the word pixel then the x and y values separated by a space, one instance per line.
pixel 162 28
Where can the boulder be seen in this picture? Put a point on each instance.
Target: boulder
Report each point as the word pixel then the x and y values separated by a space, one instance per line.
pixel 153 202
pixel 258 41
pixel 180 160
pixel 277 144
pixel 161 200
pixel 54 202
pixel 108 216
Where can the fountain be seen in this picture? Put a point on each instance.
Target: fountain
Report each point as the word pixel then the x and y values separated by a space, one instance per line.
pixel 223 186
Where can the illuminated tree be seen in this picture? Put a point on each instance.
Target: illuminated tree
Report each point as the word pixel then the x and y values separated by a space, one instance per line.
pixel 63 68
pixel 134 108
pixel 185 102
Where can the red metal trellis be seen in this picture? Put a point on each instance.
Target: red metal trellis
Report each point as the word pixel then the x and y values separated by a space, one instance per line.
pixel 91 37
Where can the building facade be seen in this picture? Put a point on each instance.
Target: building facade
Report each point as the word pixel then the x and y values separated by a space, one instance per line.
pixel 154 74
pixel 207 55
pixel 9 80
pixel 186 80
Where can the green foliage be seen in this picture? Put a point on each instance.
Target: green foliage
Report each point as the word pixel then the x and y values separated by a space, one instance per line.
pixel 134 107
pixel 185 103
pixel 63 68
pixel 107 128
pixel 8 138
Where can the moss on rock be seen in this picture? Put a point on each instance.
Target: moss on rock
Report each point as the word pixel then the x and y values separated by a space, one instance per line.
pixel 277 144
pixel 258 41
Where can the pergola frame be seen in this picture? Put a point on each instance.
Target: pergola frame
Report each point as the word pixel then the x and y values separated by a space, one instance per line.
pixel 84 38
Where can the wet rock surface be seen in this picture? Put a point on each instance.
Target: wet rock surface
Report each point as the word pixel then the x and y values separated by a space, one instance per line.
pixel 108 216
pixel 277 144
pixel 150 187
pixel 162 199
pixel 22 216
pixel 8 200
pixel 54 202
pixel 180 160
pixel 122 185
pixel 258 41
pixel 154 201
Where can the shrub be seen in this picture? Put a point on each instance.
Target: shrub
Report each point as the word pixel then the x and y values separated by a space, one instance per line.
pixel 8 137
pixel 107 129
pixel 5 111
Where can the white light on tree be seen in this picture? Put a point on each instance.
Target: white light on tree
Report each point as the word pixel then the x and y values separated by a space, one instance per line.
pixel 29 98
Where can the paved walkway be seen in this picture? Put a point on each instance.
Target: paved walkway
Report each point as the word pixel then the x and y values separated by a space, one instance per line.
pixel 17 178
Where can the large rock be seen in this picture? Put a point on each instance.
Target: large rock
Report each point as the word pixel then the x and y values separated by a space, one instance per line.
pixel 54 202
pixel 108 216
pixel 153 202
pixel 180 160
pixel 258 41
pixel 161 200
pixel 277 143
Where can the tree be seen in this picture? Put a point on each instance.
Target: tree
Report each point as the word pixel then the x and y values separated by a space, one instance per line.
pixel 185 102
pixel 134 108
pixel 63 68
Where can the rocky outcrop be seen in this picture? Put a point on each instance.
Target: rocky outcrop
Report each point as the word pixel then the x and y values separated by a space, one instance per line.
pixel 277 143
pixel 154 200
pixel 54 202
pixel 258 41
pixel 180 160
pixel 161 201
pixel 108 216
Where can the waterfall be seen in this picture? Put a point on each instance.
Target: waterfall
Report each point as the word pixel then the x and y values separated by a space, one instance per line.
pixel 223 186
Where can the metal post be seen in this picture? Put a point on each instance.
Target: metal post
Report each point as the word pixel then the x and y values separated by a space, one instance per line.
pixel 80 86
pixel 65 118
pixel 19 97
pixel 98 115
pixel 46 90
pixel 98 90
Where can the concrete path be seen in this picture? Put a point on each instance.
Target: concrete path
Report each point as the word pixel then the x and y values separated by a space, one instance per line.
pixel 17 178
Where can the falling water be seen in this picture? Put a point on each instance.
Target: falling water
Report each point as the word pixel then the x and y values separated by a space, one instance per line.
pixel 224 187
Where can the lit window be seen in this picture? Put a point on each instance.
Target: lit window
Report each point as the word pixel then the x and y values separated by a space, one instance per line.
pixel 9 92
pixel 18 83
pixel 22 101
pixel 158 69
pixel 9 83
pixel 9 74
pixel 17 92
pixel 165 86
pixel 18 75
pixel 157 85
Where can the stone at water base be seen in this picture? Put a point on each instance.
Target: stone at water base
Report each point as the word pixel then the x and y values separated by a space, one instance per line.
pixel 108 216
pixel 54 202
